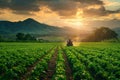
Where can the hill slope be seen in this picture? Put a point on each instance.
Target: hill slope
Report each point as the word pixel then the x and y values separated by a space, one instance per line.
pixel 27 26
pixel 10 29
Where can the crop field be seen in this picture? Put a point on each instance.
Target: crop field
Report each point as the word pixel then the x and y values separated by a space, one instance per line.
pixel 54 61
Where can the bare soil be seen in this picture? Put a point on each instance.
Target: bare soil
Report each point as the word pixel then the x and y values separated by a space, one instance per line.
pixel 51 66
pixel 30 68
pixel 68 69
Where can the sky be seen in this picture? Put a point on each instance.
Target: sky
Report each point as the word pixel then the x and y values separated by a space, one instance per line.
pixel 63 13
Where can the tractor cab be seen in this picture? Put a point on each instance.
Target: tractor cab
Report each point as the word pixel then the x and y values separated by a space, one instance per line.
pixel 69 42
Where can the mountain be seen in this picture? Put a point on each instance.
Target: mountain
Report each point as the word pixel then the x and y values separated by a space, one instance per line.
pixel 10 29
pixel 28 26
pixel 41 31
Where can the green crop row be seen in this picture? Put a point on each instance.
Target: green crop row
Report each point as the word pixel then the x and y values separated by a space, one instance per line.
pixel 14 62
pixel 39 72
pixel 78 69
pixel 89 61
pixel 107 67
pixel 98 62
pixel 94 69
pixel 60 73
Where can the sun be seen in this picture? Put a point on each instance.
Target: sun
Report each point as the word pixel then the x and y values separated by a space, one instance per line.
pixel 78 20
pixel 77 23
pixel 74 23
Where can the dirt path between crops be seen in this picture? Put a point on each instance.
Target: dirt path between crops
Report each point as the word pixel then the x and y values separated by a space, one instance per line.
pixel 51 66
pixel 68 69
pixel 30 68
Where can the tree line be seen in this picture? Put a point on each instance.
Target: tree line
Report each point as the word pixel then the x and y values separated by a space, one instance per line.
pixel 24 37
pixel 19 37
pixel 101 34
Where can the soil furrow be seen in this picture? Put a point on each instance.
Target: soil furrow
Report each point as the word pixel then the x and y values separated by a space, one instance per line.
pixel 68 69
pixel 51 66
pixel 30 68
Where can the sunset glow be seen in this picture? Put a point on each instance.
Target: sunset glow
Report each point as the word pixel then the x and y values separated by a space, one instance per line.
pixel 61 13
pixel 60 39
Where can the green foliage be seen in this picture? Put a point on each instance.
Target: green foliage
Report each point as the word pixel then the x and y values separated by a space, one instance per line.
pixel 40 69
pixel 15 58
pixel 89 61
pixel 24 37
pixel 100 61
pixel 1 38
pixel 102 33
pixel 60 68
pixel 79 72
pixel 20 36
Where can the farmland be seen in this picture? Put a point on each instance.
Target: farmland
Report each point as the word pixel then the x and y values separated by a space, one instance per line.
pixel 53 61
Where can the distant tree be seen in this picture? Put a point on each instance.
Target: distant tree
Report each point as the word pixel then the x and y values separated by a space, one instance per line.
pixel 24 37
pixel 1 38
pixel 33 38
pixel 27 37
pixel 20 36
pixel 102 33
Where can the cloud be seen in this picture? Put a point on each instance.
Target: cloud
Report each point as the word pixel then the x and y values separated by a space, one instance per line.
pixel 101 11
pixel 60 7
pixel 20 6
pixel 28 5
pixel 90 2
pixel 111 23
pixel 94 12
pixel 4 3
